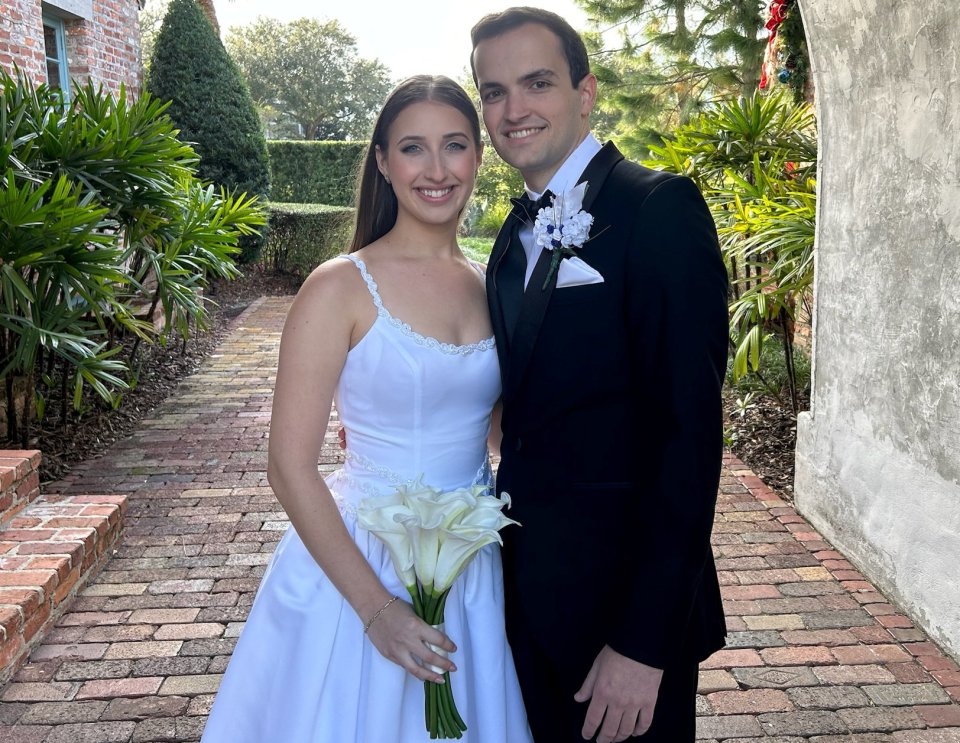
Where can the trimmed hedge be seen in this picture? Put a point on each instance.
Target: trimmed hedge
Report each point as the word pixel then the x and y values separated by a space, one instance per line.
pixel 314 172
pixel 302 236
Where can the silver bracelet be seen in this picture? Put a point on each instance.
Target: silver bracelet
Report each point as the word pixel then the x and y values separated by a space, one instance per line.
pixel 376 616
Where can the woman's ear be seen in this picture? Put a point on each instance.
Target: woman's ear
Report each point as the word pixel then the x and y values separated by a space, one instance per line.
pixel 381 165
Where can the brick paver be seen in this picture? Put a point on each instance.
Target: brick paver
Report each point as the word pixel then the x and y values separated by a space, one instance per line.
pixel 815 652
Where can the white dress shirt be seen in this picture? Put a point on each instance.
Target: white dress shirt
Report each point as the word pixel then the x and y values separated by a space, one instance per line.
pixel 564 179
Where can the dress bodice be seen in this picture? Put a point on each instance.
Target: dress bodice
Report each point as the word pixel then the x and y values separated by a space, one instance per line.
pixel 413 406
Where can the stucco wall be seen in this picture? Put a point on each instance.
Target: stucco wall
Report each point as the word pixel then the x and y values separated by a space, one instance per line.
pixel 878 456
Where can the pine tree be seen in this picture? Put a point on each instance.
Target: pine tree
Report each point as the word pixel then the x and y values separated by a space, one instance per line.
pixel 675 57
pixel 210 103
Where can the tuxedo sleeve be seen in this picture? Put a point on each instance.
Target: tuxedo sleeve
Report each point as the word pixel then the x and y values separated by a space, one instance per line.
pixel 678 335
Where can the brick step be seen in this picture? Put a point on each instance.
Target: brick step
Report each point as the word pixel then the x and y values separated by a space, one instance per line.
pixel 50 547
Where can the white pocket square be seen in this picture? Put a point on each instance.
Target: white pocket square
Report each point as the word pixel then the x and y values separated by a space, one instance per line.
pixel 575 272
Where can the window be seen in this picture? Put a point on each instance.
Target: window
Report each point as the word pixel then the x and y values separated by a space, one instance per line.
pixel 55 49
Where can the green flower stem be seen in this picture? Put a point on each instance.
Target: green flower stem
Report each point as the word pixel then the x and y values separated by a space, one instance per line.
pixel 414 592
pixel 440 710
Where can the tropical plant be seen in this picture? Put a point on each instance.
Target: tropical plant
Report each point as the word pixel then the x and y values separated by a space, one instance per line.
pixel 754 158
pixel 102 221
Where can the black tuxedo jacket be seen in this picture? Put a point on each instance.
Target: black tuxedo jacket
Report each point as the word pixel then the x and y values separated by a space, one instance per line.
pixel 612 428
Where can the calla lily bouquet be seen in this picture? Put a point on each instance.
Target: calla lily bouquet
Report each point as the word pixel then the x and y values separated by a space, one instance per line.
pixel 431 537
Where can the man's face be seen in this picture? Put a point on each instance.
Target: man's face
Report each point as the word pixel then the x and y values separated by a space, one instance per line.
pixel 534 115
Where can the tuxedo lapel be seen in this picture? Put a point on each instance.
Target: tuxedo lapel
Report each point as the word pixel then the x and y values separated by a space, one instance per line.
pixel 532 311
pixel 536 298
pixel 495 271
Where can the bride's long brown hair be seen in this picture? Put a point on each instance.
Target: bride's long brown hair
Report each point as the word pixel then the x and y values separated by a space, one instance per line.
pixel 375 201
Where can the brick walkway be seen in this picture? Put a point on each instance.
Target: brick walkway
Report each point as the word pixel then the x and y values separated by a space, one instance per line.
pixel 815 653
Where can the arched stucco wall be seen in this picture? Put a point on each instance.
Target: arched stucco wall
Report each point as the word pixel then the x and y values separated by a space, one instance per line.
pixel 878 456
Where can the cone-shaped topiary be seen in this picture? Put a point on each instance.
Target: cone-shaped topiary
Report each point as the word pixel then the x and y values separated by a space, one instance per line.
pixel 210 104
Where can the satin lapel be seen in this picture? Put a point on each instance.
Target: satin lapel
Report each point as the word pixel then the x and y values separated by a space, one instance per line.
pixel 535 299
pixel 497 253
pixel 532 311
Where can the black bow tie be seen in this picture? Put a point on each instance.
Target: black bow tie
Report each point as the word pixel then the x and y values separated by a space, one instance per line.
pixel 530 206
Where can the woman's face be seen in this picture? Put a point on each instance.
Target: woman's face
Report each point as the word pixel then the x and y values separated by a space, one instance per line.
pixel 431 160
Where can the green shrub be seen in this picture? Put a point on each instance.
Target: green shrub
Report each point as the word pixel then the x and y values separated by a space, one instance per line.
pixel 211 106
pixel 496 184
pixel 476 248
pixel 314 172
pixel 302 236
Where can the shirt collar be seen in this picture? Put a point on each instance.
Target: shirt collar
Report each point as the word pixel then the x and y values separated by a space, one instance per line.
pixel 568 174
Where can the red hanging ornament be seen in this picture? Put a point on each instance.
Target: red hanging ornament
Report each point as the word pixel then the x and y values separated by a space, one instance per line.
pixel 778 12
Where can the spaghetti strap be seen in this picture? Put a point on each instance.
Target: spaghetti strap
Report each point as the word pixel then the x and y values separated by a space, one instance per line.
pixel 424 340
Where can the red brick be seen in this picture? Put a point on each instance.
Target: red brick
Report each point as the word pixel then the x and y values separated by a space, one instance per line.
pixel 939 715
pixel 35 622
pixel 10 650
pixel 66 586
pixel 26 598
pixel 803 656
pixel 947 678
pixel 45 579
pixel 749 702
pixel 740 658
pixel 894 620
pixel 856 654
pixel 10 621
pixel 748 593
pixel 74 550
pixel 60 563
pixel 908 673
pixel 871 634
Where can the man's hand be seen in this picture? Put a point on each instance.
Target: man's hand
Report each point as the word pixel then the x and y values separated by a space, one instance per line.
pixel 342 437
pixel 623 694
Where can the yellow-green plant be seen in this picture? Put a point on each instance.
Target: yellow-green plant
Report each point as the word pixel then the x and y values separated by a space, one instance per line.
pixel 755 159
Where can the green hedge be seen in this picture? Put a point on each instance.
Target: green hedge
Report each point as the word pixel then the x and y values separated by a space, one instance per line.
pixel 302 236
pixel 314 172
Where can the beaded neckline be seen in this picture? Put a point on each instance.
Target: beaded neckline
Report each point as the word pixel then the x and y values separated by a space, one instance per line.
pixel 424 340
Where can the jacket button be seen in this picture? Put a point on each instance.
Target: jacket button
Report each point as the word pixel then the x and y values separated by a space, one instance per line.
pixel 519 445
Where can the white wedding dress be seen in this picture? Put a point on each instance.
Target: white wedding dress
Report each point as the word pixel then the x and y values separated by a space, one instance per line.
pixel 303 671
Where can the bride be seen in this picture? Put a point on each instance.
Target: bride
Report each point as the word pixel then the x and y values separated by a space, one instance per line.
pixel 397 333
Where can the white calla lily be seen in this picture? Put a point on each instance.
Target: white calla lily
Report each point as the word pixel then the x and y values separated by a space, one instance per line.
pixel 457 548
pixel 379 517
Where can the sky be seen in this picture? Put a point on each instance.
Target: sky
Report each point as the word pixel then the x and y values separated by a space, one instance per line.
pixel 409 36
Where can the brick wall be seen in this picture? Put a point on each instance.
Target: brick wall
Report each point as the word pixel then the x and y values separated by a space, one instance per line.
pixel 104 46
pixel 21 37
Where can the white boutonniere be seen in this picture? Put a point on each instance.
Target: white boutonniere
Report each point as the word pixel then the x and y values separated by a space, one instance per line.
pixel 562 227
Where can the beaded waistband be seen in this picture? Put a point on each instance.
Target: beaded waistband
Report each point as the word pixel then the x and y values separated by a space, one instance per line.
pixel 392 479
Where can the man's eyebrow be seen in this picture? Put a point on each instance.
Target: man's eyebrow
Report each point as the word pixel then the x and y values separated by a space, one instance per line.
pixel 543 72
pixel 536 74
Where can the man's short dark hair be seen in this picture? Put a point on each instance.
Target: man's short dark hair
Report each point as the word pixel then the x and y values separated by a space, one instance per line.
pixel 497 24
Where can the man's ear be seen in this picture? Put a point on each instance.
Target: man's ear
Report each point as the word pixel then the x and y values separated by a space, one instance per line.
pixel 588 93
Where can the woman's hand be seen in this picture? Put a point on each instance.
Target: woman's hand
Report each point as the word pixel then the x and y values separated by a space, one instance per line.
pixel 401 636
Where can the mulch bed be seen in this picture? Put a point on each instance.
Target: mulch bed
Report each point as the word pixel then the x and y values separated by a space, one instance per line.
pixel 764 437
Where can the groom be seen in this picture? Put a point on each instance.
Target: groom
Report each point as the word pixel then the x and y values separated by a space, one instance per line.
pixel 612 363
